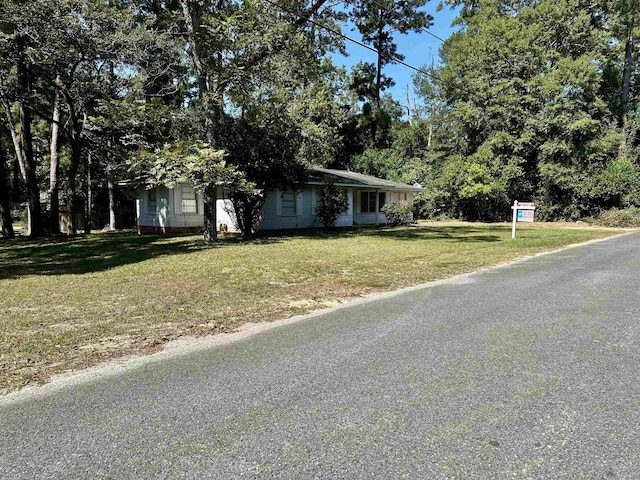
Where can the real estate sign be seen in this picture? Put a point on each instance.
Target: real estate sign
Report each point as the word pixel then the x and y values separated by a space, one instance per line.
pixel 522 212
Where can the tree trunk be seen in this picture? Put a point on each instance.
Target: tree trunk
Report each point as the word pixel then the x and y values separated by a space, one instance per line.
pixel 248 212
pixel 18 163
pixel 626 72
pixel 36 225
pixel 76 155
pixel 15 189
pixel 15 138
pixel 54 191
pixel 192 17
pixel 76 158
pixel 89 198
pixel 626 81
pixel 377 116
pixel 112 205
pixel 193 21
pixel 409 107
pixel 379 60
pixel 210 234
pixel 5 210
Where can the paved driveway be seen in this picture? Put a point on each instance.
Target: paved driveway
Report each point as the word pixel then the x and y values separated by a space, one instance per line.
pixel 524 371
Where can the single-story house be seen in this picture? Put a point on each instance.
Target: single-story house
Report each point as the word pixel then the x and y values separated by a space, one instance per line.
pixel 163 210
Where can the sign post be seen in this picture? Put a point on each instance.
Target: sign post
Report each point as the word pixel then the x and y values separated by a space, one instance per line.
pixel 522 212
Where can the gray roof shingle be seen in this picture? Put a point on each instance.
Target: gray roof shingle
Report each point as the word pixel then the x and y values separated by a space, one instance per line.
pixel 353 179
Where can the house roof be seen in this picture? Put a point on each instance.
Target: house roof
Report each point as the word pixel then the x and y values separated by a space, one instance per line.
pixel 345 178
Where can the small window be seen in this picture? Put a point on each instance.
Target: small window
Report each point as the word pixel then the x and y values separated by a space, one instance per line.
pixel 153 202
pixel 189 199
pixel 289 204
pixel 382 197
pixel 368 201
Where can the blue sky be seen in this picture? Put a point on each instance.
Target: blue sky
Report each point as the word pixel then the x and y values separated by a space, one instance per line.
pixel 418 49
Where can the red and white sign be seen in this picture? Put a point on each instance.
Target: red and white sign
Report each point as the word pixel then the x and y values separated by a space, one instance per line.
pixel 526 206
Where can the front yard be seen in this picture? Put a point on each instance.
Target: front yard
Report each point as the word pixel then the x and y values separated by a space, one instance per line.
pixel 70 303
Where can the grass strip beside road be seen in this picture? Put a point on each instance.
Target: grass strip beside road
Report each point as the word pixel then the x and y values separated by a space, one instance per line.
pixel 67 304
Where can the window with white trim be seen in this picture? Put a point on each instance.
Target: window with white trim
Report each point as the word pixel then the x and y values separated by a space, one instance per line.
pixel 188 199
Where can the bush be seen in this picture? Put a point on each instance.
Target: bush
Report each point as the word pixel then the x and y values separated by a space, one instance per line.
pixel 398 213
pixel 331 204
pixel 615 218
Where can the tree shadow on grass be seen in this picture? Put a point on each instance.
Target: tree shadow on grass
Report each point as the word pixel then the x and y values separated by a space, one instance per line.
pixel 84 254
pixel 420 233
pixel 93 253
pixel 62 255
pixel 464 234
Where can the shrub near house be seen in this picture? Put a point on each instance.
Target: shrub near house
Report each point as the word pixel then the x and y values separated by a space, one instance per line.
pixel 331 203
pixel 398 213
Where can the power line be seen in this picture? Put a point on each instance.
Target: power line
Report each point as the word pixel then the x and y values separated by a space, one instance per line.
pixel 426 30
pixel 422 29
pixel 394 57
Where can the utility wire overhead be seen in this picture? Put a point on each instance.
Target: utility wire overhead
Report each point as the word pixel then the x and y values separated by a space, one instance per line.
pixel 422 29
pixel 363 45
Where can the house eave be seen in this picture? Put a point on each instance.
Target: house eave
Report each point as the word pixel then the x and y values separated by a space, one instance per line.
pixel 370 187
pixel 358 180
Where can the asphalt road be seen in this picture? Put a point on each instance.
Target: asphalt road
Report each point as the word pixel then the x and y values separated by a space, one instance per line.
pixel 524 371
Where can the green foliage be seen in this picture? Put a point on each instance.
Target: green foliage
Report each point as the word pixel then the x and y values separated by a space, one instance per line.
pixel 384 163
pixel 532 113
pixel 618 183
pixel 377 21
pixel 189 162
pixel 529 101
pixel 398 213
pixel 332 201
pixel 619 218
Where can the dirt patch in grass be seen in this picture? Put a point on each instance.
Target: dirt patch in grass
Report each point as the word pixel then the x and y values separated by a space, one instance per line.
pixel 68 304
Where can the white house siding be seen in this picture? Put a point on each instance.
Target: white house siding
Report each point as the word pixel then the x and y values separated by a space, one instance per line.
pixel 186 221
pixel 160 219
pixel 273 219
pixel 369 218
pixel 168 216
pixel 346 218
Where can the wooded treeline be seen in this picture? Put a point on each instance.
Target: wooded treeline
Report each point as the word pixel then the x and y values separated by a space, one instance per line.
pixel 533 100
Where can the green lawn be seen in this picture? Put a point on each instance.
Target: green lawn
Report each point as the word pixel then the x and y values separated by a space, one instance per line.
pixel 70 303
